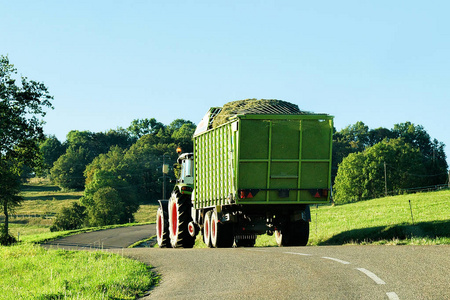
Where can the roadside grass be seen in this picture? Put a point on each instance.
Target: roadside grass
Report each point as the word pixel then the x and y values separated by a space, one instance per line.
pixel 29 271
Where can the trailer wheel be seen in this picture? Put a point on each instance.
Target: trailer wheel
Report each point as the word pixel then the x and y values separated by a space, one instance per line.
pixel 221 234
pixel 207 229
pixel 179 218
pixel 162 228
pixel 299 233
pixel 293 234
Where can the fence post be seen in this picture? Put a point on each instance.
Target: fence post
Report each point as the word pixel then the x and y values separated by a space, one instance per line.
pixel 410 207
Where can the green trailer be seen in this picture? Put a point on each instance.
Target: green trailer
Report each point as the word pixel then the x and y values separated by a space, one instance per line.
pixel 255 173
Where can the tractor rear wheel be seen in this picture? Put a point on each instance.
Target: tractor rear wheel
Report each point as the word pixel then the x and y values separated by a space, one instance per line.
pixel 179 218
pixel 162 228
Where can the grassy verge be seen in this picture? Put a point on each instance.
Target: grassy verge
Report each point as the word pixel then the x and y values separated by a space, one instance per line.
pixel 29 271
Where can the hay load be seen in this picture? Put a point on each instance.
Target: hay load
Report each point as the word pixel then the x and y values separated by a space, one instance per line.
pixel 254 106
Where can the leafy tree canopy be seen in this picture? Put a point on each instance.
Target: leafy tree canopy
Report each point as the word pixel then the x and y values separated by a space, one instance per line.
pixel 361 175
pixel 22 104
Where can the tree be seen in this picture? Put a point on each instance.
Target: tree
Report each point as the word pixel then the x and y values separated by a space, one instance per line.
pixel 141 127
pixel 21 106
pixel 361 175
pixel 433 154
pixel 9 199
pixel 183 136
pixel 108 208
pixel 70 218
pixel 50 149
pixel 67 171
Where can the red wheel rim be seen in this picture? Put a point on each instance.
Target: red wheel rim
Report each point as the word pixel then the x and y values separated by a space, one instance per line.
pixel 159 227
pixel 213 227
pixel 174 219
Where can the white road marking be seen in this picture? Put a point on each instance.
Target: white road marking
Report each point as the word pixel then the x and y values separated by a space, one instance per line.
pixel 392 296
pixel 338 260
pixel 371 276
pixel 296 253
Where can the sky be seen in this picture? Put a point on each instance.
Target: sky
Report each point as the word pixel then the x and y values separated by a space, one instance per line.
pixel 109 62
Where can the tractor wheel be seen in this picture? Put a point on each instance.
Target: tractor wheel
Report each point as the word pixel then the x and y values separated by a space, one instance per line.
pixel 221 234
pixel 207 229
pixel 179 218
pixel 162 228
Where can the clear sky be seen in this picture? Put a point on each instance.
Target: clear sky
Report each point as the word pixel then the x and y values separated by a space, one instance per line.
pixel 109 62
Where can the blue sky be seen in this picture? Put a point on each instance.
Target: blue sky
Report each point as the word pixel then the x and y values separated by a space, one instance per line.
pixel 109 62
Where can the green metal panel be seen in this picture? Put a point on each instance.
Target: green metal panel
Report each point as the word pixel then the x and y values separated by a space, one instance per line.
pixel 265 154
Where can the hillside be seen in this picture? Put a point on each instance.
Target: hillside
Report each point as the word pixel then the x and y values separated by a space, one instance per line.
pixel 385 221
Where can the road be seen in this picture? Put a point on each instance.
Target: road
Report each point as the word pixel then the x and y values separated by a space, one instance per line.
pixel 116 238
pixel 329 272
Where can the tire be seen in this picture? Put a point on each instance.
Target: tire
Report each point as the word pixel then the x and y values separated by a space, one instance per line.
pixel 162 228
pixel 221 234
pixel 207 229
pixel 179 218
pixel 293 234
pixel 299 233
pixel 281 238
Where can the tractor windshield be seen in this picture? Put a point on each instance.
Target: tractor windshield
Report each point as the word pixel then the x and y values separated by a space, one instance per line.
pixel 187 174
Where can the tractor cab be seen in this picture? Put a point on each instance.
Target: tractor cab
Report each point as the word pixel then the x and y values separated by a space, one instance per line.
pixel 185 182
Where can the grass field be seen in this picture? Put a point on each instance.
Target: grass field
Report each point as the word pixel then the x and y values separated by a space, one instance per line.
pixel 381 221
pixel 29 271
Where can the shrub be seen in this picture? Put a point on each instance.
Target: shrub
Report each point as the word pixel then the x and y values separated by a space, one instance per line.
pixel 70 218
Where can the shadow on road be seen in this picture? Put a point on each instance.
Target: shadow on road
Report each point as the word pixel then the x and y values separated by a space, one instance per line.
pixel 402 231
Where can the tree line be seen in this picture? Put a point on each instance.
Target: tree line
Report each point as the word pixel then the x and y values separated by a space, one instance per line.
pixel 367 163
pixel 118 170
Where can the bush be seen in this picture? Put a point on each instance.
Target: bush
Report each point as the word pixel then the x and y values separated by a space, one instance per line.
pixel 108 208
pixel 70 218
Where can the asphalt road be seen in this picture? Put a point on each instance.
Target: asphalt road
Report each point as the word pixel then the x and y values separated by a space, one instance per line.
pixel 116 238
pixel 331 272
